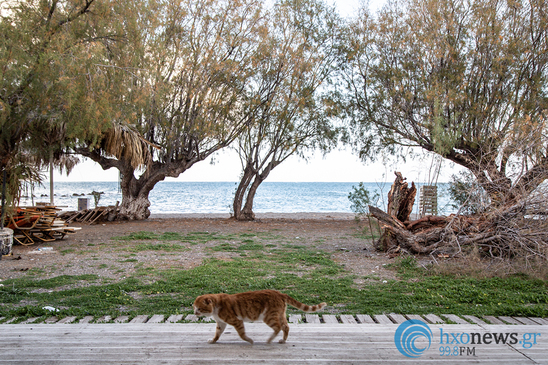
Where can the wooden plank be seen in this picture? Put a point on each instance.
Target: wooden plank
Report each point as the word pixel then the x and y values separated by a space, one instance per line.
pixel 526 321
pixel 295 318
pixel 382 319
pixel 348 319
pixel 103 319
pixel 432 318
pixel 329 318
pixel 474 319
pixel 455 318
pixel 540 321
pixel 398 318
pixel 365 319
pixel 121 319
pixel 174 318
pixel 415 316
pixel 157 318
pixel 312 318
pixel 192 318
pixel 186 344
pixel 509 320
pixel 51 320
pixel 30 320
pixel 99 216
pixel 67 320
pixel 493 320
pixel 142 318
pixel 86 319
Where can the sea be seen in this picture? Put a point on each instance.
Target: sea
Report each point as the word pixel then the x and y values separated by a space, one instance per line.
pixel 216 197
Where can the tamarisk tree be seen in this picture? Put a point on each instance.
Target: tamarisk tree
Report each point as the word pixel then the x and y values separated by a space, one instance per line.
pixel 298 55
pixel 198 58
pixel 53 86
pixel 464 79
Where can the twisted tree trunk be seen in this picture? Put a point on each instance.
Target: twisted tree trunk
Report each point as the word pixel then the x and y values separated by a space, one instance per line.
pixel 247 188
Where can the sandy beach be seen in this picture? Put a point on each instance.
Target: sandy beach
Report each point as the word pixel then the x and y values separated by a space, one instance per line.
pixel 259 216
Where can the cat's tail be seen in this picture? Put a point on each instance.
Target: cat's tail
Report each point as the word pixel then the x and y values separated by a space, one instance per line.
pixel 302 306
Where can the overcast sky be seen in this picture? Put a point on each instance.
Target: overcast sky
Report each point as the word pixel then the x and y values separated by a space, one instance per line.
pixel 337 166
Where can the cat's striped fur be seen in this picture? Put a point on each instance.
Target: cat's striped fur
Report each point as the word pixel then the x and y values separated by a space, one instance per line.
pixel 266 305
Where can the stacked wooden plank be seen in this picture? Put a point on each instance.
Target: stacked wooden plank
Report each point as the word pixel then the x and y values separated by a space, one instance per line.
pixel 91 216
pixel 39 223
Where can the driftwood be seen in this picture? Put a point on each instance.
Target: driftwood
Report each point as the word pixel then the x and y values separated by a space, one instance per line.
pixel 503 232
pixel 401 198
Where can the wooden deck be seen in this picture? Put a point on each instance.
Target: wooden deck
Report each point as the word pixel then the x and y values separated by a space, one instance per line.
pixel 331 340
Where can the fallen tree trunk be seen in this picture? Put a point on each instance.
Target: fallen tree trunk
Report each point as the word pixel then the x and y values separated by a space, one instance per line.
pixel 510 231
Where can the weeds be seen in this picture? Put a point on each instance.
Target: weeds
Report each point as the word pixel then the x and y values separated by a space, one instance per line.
pixel 307 274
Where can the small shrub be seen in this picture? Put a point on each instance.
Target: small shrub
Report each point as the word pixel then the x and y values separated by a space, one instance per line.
pixel 467 194
pixel 360 198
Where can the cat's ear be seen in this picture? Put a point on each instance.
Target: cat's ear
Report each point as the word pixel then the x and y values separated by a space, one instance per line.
pixel 207 301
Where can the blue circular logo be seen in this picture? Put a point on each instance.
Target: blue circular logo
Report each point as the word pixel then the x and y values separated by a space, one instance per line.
pixel 408 333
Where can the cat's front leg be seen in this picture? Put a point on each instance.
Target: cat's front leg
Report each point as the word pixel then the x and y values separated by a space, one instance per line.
pixel 218 331
pixel 239 326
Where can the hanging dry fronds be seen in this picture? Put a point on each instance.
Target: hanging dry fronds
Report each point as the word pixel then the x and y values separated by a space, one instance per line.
pixel 123 141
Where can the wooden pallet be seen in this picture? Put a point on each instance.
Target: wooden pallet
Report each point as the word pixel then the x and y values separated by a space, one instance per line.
pixel 91 216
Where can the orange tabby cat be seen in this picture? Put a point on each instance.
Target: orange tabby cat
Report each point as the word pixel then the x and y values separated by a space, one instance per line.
pixel 266 305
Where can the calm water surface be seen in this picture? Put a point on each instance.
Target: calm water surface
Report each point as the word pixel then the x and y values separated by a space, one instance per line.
pixel 216 197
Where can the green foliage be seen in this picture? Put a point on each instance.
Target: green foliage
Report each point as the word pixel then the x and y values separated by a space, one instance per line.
pixel 361 199
pixel 467 194
pixel 298 57
pixel 60 69
pixel 466 80
pixel 192 237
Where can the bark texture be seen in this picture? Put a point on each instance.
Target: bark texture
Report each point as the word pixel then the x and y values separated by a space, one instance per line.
pixel 517 230
pixel 247 188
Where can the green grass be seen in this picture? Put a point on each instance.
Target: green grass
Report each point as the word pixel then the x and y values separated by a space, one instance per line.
pixel 193 237
pixel 307 274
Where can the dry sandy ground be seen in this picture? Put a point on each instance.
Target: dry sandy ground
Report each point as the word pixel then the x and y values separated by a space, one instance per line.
pixel 92 250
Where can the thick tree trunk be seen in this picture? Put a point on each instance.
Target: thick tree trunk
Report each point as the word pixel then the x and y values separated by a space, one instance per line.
pixel 240 194
pixel 247 189
pixel 135 193
pixel 247 211
pixel 134 208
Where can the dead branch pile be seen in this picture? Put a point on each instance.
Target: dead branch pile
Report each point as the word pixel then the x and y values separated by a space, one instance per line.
pixel 519 230
pixel 91 216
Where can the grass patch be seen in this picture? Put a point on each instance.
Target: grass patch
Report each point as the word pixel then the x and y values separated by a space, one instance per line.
pixel 129 260
pixel 191 238
pixel 168 247
pixel 137 236
pixel 309 275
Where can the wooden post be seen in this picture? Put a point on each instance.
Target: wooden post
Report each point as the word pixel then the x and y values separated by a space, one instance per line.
pixel 51 200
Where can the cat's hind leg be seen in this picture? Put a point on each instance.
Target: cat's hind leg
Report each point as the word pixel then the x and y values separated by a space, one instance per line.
pixel 274 323
pixel 285 328
pixel 218 331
